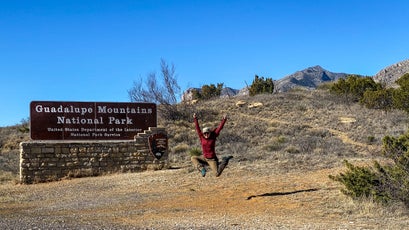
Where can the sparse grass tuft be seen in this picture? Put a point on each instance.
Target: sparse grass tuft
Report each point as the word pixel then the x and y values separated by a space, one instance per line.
pixel 195 152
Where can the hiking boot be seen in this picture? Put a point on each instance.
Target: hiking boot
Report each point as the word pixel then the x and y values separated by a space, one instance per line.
pixel 202 170
pixel 225 159
pixel 223 164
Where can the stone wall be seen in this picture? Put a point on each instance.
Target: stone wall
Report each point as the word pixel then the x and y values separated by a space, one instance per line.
pixel 42 161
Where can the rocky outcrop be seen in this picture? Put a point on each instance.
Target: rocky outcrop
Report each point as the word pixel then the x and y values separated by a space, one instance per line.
pixel 188 94
pixel 226 92
pixel 390 74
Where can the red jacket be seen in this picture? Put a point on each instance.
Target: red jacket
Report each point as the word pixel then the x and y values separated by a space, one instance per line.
pixel 208 145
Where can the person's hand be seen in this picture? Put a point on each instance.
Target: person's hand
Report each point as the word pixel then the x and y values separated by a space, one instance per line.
pixel 194 115
pixel 225 116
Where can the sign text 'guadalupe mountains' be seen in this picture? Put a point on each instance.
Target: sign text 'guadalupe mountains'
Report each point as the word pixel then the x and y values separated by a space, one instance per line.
pixel 50 120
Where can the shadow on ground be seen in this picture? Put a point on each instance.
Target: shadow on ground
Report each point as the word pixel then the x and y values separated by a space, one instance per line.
pixel 282 193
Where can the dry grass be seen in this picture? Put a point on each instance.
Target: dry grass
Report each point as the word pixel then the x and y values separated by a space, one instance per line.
pixel 278 179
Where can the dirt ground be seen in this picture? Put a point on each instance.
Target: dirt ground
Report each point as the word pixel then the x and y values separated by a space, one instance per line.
pixel 246 196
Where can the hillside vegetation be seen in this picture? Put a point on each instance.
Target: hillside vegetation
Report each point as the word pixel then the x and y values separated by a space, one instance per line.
pixel 302 128
pixel 284 145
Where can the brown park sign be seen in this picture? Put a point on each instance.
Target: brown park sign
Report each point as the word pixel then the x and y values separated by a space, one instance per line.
pixel 50 120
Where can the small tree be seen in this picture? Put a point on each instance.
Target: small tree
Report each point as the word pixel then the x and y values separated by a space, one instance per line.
pixel 261 85
pixel 211 91
pixel 196 95
pixel 161 91
pixel 353 87
pixel 208 91
pixel 379 99
pixel 401 95
pixel 403 82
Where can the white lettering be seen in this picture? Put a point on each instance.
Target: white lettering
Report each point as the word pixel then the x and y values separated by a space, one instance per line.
pixel 123 121
pixel 77 120
pixel 124 110
pixel 61 109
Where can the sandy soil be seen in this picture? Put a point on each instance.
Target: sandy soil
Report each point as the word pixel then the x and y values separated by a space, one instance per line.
pixel 246 196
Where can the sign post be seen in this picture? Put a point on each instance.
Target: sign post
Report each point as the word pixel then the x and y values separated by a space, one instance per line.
pixel 158 144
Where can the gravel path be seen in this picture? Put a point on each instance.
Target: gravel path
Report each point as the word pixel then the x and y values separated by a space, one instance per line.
pixel 244 197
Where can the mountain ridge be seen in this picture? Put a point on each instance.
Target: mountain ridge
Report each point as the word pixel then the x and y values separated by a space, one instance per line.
pixel 310 78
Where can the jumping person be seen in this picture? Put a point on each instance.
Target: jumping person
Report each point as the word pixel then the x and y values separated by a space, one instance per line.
pixel 208 142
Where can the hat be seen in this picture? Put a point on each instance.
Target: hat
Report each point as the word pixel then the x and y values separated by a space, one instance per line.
pixel 206 130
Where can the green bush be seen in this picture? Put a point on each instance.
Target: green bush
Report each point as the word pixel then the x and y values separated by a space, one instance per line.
pixel 403 82
pixel 396 176
pixel 360 181
pixel 208 92
pixel 378 99
pixel 261 85
pixel 373 95
pixel 401 95
pixel 382 182
pixel 352 88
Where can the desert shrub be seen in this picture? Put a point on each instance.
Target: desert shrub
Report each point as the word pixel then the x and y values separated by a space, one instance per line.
pixel 181 137
pixel 178 149
pixel 292 150
pixel 360 181
pixel 352 88
pixel 281 139
pixel 396 176
pixel 383 183
pixel 401 95
pixel 325 85
pixel 370 140
pixel 208 92
pixel 378 99
pixel 237 148
pixel 373 95
pixel 24 126
pixel 403 82
pixel 6 176
pixel 261 85
pixel 308 143
pixel 401 99
pixel 274 146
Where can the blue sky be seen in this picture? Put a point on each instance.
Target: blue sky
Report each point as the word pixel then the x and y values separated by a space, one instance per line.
pixel 80 50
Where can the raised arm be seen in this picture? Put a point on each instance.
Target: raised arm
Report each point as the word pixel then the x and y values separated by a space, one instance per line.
pixel 220 127
pixel 197 127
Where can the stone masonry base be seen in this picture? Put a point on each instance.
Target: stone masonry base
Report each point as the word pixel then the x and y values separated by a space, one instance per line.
pixel 43 161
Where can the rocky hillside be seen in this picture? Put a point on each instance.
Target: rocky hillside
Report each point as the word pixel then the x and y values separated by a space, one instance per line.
pixel 390 74
pixel 225 93
pixel 312 77
pixel 308 78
